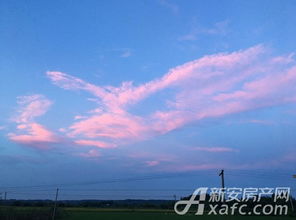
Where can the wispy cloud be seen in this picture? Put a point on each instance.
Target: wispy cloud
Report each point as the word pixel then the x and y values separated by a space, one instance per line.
pixel 31 107
pixel 28 131
pixel 90 154
pixel 215 149
pixel 150 159
pixel 94 143
pixel 126 54
pixel 201 166
pixel 123 52
pixel 35 135
pixel 152 163
pixel 174 8
pixel 262 122
pixel 219 28
pixel 212 86
pixel 78 117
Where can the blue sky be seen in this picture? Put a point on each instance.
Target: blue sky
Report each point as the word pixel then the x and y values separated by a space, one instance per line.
pixel 147 88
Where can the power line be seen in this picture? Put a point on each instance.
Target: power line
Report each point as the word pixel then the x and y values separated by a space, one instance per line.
pixel 107 181
pixel 231 172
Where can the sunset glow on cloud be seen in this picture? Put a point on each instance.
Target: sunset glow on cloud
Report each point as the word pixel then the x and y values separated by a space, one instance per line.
pixel 102 89
pixel 211 86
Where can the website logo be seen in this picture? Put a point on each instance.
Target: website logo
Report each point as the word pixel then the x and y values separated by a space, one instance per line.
pixel 230 201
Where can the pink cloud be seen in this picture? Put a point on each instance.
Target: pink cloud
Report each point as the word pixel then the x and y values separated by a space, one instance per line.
pixel 31 107
pixel 37 136
pixel 115 98
pixel 262 122
pixel 28 131
pixel 78 117
pixel 112 126
pixel 152 163
pixel 93 143
pixel 212 86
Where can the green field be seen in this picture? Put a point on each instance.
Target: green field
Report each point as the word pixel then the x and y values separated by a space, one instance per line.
pixel 45 213
pixel 119 214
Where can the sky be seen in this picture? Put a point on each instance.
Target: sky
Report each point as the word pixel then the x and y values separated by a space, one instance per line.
pixel 97 91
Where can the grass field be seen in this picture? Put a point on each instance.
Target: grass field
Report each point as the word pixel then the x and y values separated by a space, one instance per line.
pixel 43 213
pixel 121 214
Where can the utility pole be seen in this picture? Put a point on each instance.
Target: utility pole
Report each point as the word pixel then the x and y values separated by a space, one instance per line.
pixel 222 178
pixel 291 201
pixel 291 198
pixel 55 204
pixel 223 184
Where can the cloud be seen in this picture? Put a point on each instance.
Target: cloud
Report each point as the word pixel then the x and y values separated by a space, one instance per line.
pixel 291 157
pixel 192 167
pixel 31 107
pixel 66 81
pixel 209 87
pixel 262 122
pixel 126 54
pixel 185 166
pixel 174 8
pixel 123 52
pixel 36 136
pixel 28 131
pixel 152 163
pixel 109 125
pixel 153 159
pixel 93 143
pixel 214 149
pixel 192 36
pixel 219 28
pixel 91 154
pixel 78 117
